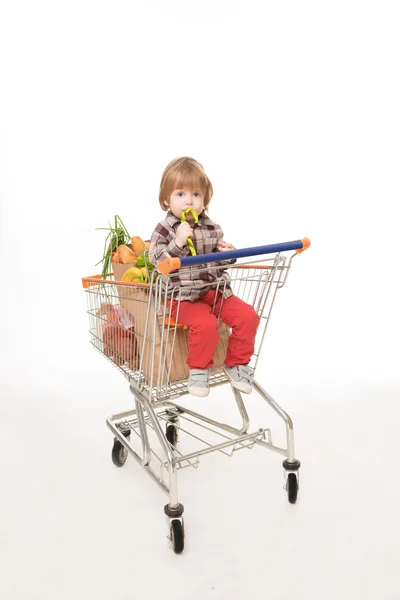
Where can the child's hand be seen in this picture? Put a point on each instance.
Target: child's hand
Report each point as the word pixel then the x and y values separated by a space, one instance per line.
pixel 182 233
pixel 223 246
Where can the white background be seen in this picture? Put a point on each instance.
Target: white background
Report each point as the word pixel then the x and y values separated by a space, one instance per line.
pixel 293 110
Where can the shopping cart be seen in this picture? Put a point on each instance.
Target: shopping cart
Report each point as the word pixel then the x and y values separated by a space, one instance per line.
pixel 131 324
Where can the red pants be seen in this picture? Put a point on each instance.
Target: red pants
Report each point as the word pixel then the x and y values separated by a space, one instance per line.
pixel 203 329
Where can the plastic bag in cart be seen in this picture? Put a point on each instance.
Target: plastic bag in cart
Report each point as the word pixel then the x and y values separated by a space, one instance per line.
pixel 118 335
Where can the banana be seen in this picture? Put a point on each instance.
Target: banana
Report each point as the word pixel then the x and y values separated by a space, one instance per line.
pixel 144 274
pixel 133 275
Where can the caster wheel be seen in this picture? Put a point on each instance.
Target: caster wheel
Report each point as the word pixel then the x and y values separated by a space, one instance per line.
pixel 177 535
pixel 119 454
pixel 292 487
pixel 172 435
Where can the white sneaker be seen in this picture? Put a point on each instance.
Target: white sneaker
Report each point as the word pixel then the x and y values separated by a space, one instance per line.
pixel 198 382
pixel 241 377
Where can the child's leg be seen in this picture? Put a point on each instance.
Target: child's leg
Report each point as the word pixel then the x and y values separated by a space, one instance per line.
pixel 244 321
pixel 203 332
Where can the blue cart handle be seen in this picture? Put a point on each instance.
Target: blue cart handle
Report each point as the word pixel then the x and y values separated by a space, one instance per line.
pixel 171 264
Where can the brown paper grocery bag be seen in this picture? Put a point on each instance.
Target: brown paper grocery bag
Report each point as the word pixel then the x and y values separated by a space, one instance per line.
pixel 170 354
pixel 163 349
pixel 118 270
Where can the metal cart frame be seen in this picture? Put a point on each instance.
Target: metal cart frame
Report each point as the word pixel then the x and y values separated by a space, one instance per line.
pixel 130 324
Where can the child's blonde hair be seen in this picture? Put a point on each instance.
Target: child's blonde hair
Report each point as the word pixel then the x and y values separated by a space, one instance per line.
pixel 184 173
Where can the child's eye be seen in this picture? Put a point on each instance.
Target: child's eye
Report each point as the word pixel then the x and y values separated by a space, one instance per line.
pixel 196 194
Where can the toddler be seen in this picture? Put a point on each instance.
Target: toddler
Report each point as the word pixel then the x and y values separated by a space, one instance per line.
pixel 185 185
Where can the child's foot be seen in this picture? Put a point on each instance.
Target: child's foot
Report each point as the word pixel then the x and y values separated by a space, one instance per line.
pixel 241 377
pixel 198 382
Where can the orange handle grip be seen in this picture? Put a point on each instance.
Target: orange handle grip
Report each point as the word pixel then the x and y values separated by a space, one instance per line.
pixel 168 264
pixel 306 244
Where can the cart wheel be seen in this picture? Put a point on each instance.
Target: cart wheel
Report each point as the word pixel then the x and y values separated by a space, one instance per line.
pixel 172 435
pixel 177 535
pixel 292 487
pixel 119 454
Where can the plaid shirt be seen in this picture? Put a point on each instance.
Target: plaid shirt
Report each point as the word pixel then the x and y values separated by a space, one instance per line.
pixel 193 281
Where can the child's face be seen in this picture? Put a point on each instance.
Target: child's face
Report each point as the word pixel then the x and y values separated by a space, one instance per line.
pixel 180 200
